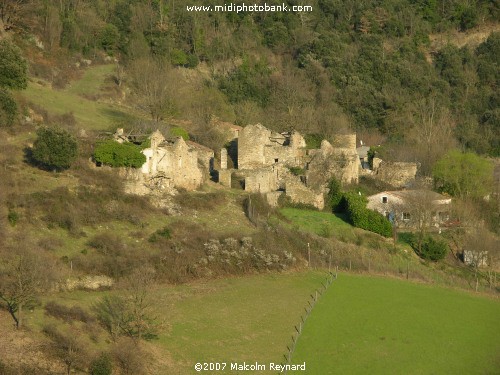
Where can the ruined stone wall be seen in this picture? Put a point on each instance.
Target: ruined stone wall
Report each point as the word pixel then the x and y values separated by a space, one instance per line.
pixel 223 158
pixel 397 174
pixel 348 162
pixel 261 180
pixel 272 198
pixel 259 147
pixel 279 154
pixel 175 162
pixel 251 143
pixel 299 193
pixel 344 141
pixel 225 177
pixel 341 163
pixel 206 159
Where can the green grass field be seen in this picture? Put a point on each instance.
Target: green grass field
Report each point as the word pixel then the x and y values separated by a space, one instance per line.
pixel 370 325
pixel 235 319
pixel 322 223
pixel 92 81
pixel 90 114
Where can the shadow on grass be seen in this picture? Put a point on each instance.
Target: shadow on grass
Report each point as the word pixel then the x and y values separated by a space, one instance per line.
pixel 406 238
pixel 342 216
pixel 117 116
pixel 29 160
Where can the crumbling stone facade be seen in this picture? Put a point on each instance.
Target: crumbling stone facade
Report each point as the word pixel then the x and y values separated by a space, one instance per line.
pixel 170 164
pixel 262 180
pixel 329 161
pixel 259 147
pixel 265 158
pixel 397 174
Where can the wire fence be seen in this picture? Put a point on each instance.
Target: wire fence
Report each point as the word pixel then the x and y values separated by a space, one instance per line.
pixel 331 276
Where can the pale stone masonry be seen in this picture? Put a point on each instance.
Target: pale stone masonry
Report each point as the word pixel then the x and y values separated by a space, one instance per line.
pixel 223 158
pixel 175 161
pixel 397 174
pixel 265 159
pixel 170 164
pixel 259 147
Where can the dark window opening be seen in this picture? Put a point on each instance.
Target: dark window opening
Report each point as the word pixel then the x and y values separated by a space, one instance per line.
pixel 384 199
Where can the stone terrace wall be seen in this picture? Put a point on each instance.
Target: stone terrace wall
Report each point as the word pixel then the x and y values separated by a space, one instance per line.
pixel 299 193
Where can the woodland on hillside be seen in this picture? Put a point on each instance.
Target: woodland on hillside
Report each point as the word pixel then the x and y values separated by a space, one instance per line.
pixel 365 65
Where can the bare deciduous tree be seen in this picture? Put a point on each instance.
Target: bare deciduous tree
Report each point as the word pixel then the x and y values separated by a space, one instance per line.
pixel 130 357
pixel 141 321
pixel 69 348
pixel 431 133
pixel 24 275
pixel 418 210
pixel 154 85
pixel 131 313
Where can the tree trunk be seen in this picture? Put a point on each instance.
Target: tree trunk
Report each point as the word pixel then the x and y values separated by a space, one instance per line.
pixel 12 313
pixel 19 315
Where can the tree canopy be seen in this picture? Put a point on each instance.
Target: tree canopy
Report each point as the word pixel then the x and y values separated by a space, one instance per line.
pixel 13 67
pixel 54 148
pixel 464 174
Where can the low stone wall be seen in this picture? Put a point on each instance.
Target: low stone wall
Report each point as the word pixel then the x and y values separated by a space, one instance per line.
pixel 299 193
pixel 272 198
pixel 225 177
pixel 89 282
pixel 397 174
pixel 261 180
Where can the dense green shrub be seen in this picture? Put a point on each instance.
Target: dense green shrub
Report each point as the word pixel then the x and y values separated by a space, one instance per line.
pixel 54 148
pixel 13 217
pixel 313 141
pixel 361 217
pixel 119 154
pixel 176 131
pixel 159 234
pixel 102 365
pixel 109 37
pixel 430 248
pixel 297 171
pixel 463 174
pixel 8 108
pixel 13 67
pixel 334 196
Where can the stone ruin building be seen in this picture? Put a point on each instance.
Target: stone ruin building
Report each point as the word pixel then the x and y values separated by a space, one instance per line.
pixel 397 174
pixel 259 160
pixel 273 163
pixel 170 164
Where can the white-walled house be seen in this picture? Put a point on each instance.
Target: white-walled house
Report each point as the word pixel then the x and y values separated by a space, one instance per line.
pixel 407 208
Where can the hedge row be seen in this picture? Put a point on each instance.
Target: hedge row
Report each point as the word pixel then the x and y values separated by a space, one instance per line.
pixel 119 154
pixel 361 217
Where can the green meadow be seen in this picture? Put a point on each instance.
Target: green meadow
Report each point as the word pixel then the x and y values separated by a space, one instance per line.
pixel 234 319
pixel 89 113
pixel 371 325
